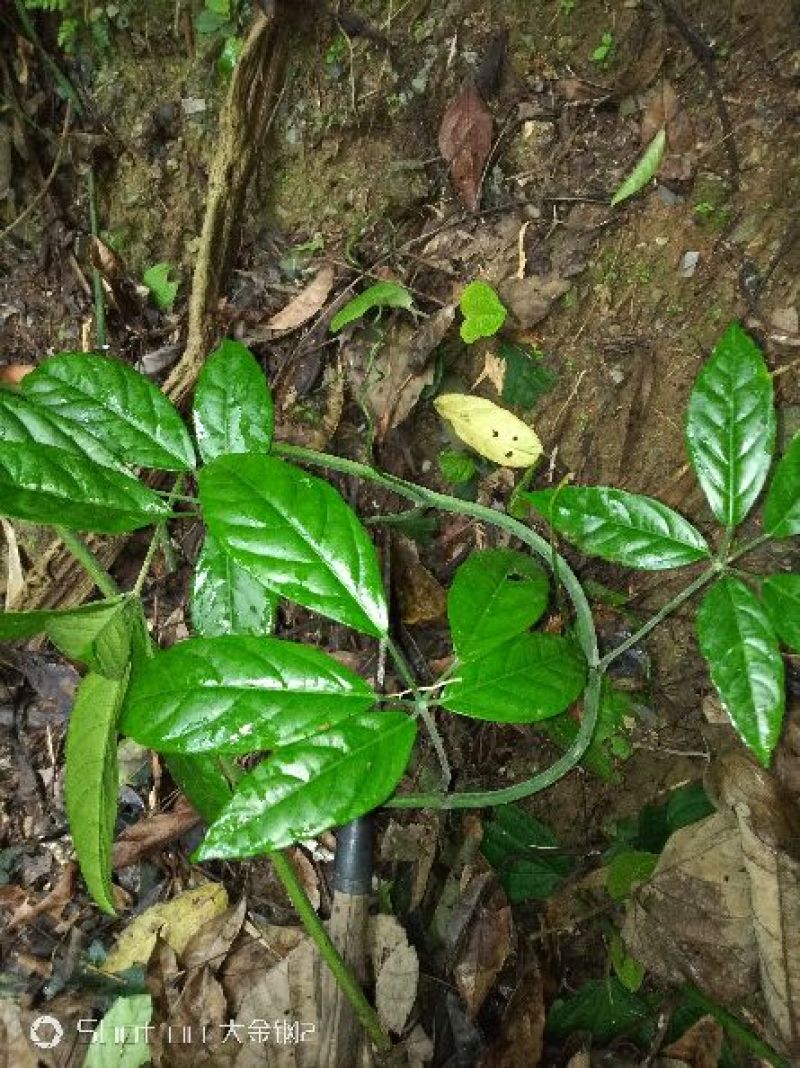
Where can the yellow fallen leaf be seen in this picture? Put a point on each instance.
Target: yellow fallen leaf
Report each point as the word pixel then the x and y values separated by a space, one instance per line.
pixel 490 430
pixel 176 921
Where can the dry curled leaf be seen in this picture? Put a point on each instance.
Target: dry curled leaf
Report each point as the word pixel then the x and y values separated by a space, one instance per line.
pixel 663 110
pixel 153 833
pixel 305 305
pixel 700 1046
pixel 488 944
pixel 465 141
pixel 522 1031
pixel 396 968
pixel 422 599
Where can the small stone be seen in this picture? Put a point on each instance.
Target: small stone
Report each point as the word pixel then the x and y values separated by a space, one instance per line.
pixel 785 320
pixel 193 105
pixel 425 466
pixel 689 264
pixel 617 375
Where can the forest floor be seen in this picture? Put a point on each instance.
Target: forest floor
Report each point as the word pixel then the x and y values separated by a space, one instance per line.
pixel 614 309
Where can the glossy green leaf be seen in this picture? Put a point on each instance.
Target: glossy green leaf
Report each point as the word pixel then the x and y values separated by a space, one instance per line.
pixel 120 408
pixel 603 1007
pixel 524 852
pixel 484 313
pixel 625 528
pixel 24 422
pixel 202 779
pixel 496 594
pixel 47 485
pixel 296 535
pixel 233 409
pixel 226 599
pixel 782 507
pixel 627 869
pixel 124 1035
pixel 645 169
pixel 92 780
pixel 237 694
pixel 737 640
pixel 527 679
pixel 730 426
pixel 100 639
pixel 381 295
pixel 14 625
pixel 781 596
pixel 305 789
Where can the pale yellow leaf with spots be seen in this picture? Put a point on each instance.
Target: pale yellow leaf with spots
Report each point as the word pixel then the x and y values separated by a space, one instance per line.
pixel 490 430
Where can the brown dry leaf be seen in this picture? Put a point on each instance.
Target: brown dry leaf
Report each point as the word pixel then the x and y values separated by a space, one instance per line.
pixel 305 305
pixel 421 598
pixel 465 141
pixel 209 946
pixel 522 1031
pixel 488 944
pixel 786 763
pixel 153 833
pixel 13 373
pixel 15 580
pixel 494 369
pixel 16 1050
pixel 307 874
pixel 53 903
pixel 529 299
pixel 692 920
pixel 120 287
pixel 413 843
pixel 700 1046
pixel 663 108
pixel 769 825
pixel 396 968
pixel 580 1060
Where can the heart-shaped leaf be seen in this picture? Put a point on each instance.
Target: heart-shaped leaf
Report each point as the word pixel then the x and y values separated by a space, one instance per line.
pixel 782 507
pixel 496 594
pixel 118 407
pixel 381 295
pixel 296 535
pixel 226 599
pixel 484 313
pixel 490 430
pixel 92 781
pixel 47 485
pixel 237 694
pixel 305 789
pixel 730 426
pixel 781 596
pixel 233 409
pixel 527 679
pixel 24 422
pixel 645 169
pixel 625 528
pixel 737 640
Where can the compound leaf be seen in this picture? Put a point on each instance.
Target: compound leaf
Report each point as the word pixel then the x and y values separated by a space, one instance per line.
pixel 238 694
pixel 381 295
pixel 496 594
pixel 46 485
pixel 233 410
pixel 92 780
pixel 781 596
pixel 730 426
pixel 737 640
pixel 118 407
pixel 226 599
pixel 782 507
pixel 645 169
pixel 625 528
pixel 529 678
pixel 321 782
pixel 296 535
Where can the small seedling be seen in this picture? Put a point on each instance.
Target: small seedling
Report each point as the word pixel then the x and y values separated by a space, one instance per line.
pixel 162 286
pixel 604 52
pixel 484 313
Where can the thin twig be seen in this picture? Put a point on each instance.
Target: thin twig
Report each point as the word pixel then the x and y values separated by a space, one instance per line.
pixel 62 141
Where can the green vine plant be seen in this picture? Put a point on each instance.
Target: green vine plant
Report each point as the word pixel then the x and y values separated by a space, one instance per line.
pixel 77 435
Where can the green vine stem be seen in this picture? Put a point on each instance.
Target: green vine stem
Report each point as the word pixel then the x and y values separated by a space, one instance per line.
pixel 86 558
pixel 328 951
pixel 734 1026
pixel 423 711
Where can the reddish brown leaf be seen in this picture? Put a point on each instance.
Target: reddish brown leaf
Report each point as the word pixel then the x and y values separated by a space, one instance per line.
pixel 153 833
pixel 522 1031
pixel 465 141
pixel 305 305
pixel 53 903
pixel 485 953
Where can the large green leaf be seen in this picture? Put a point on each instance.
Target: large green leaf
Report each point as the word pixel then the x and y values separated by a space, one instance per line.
pixel 47 485
pixel 238 694
pixel 23 421
pixel 226 599
pixel 730 426
pixel 306 788
pixel 782 507
pixel 233 409
pixel 496 594
pixel 737 640
pixel 92 780
pixel 529 678
pixel 297 536
pixel 625 528
pixel 781 596
pixel 203 781
pixel 117 406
